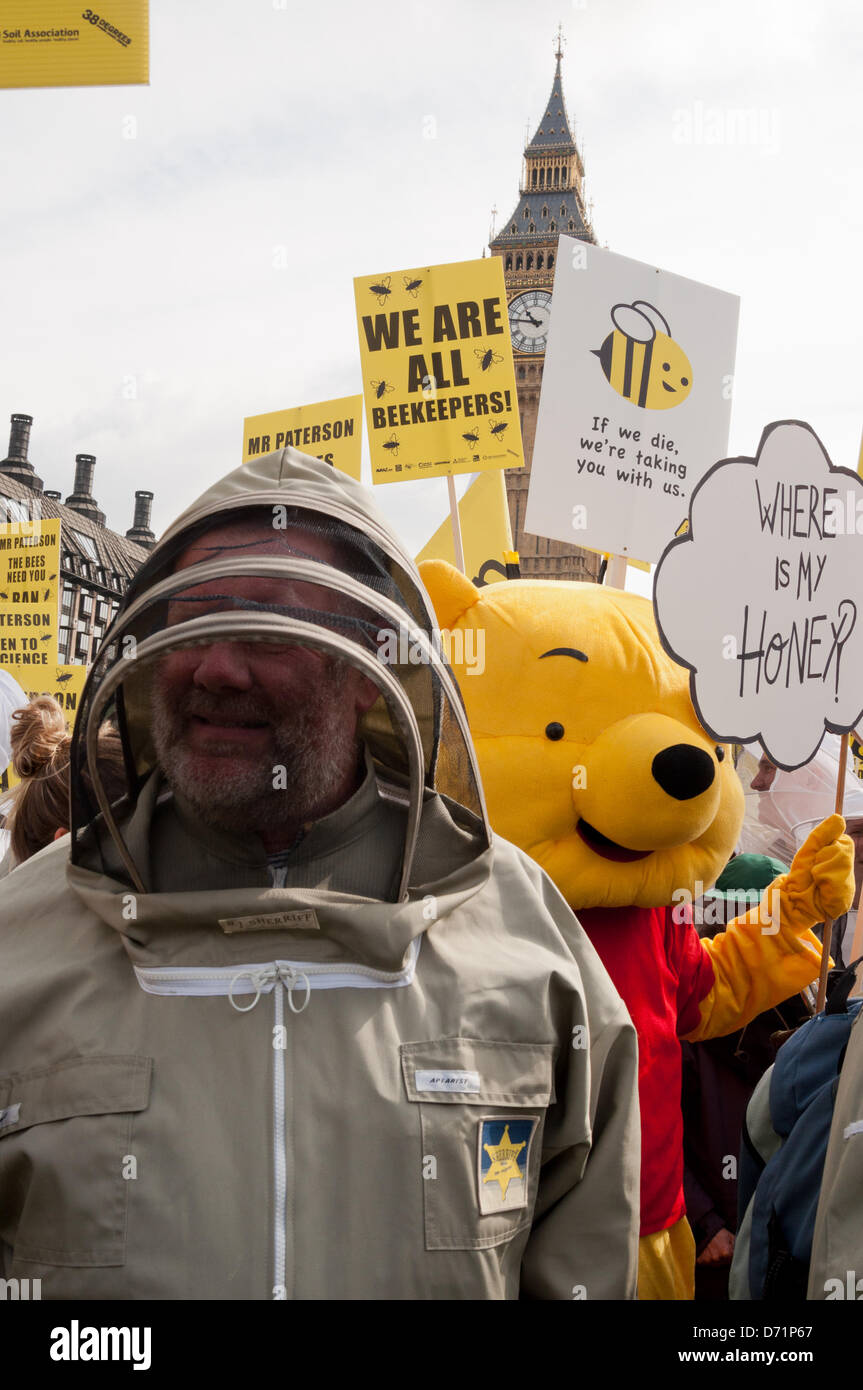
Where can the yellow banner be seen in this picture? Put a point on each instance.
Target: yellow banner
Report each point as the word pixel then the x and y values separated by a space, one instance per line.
pixel 29 581
pixel 328 430
pixel 438 375
pixel 66 684
pixel 62 43
pixel 485 531
pixel 856 755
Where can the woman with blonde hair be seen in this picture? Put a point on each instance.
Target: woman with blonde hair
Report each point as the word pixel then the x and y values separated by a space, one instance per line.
pixel 41 744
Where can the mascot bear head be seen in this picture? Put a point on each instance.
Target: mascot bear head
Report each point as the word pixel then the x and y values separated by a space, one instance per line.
pixel 592 757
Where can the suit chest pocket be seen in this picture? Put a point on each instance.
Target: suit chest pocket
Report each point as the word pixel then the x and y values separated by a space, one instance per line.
pixel 481 1108
pixel 65 1137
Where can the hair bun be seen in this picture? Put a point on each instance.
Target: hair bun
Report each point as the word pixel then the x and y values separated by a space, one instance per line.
pixel 38 733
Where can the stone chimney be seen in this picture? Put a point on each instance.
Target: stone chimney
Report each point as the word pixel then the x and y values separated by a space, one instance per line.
pixel 82 499
pixel 140 529
pixel 17 465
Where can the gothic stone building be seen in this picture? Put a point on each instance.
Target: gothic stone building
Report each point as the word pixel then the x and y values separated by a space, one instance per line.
pixel 551 201
pixel 96 564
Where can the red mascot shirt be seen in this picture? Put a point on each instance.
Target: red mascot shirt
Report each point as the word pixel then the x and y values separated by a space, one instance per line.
pixel 662 972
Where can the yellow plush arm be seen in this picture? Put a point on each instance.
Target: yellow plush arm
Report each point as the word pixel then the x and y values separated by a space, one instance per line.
pixel 770 952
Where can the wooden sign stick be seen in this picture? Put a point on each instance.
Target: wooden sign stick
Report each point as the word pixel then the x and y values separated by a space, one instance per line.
pixel 828 926
pixel 456 523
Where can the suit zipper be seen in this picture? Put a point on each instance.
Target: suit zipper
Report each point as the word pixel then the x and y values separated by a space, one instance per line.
pixel 280 1156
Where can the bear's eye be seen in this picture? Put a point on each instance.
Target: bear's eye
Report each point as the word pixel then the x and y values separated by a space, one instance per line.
pixel 720 754
pixel 554 731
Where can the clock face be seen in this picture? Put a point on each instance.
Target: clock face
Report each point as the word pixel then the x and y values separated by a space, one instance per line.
pixel 529 314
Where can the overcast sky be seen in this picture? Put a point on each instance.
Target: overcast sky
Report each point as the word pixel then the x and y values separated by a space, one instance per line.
pixel 146 267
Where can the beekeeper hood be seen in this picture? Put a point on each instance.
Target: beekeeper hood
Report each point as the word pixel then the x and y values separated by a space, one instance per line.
pixel 368 608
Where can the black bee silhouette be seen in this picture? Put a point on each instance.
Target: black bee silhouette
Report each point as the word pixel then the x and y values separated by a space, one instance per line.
pixel 382 290
pixel 4 595
pixel 381 388
pixel 46 637
pixel 499 429
pixel 50 577
pixel 486 357
pixel 472 437
pixel 392 445
pixel 62 679
pixel 46 595
pixel 412 286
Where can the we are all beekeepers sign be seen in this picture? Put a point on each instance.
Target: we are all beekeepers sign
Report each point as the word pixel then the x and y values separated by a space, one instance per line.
pixel 762 598
pixel 438 374
pixel 635 404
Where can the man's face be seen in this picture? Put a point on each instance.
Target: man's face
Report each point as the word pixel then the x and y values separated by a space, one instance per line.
pixel 257 736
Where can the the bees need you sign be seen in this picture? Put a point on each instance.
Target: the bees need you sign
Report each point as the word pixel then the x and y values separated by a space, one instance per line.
pixel 762 598
pixel 636 401
pixel 438 375
pixel 29 577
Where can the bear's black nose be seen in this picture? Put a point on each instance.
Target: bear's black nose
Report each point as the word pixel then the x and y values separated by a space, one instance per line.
pixel 683 771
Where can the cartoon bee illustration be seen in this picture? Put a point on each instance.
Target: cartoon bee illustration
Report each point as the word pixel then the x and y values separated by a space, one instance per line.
pixel 472 437
pixel 499 430
pixel 62 679
pixel 412 286
pixel 641 360
pixel 392 445
pixel 381 291
pixel 487 357
pixel 381 388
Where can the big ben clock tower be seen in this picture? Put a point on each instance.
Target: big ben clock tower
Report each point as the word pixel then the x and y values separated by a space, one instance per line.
pixel 551 201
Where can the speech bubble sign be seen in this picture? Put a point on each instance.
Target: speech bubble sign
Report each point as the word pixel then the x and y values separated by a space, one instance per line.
pixel 762 598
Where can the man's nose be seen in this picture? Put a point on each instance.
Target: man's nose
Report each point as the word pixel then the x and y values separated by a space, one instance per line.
pixel 223 666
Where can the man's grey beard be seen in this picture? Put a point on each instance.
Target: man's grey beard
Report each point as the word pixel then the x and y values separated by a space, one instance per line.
pixel 298 779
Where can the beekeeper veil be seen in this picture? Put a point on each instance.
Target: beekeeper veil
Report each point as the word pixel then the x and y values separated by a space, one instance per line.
pixel 364 604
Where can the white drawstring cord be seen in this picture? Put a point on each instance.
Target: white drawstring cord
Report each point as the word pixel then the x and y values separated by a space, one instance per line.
pixel 258 979
pixel 289 977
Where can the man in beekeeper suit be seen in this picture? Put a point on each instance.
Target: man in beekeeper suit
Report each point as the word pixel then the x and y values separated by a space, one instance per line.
pixel 287 1021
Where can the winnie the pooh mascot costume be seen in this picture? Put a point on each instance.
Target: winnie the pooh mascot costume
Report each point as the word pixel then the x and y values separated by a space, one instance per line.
pixel 594 762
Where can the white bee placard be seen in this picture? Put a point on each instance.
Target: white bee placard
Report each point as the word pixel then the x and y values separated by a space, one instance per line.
pixel 635 404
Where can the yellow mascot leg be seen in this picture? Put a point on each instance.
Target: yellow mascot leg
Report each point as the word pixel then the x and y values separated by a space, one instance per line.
pixel 666 1264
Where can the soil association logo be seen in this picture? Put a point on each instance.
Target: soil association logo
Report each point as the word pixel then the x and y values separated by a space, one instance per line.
pixel 40 35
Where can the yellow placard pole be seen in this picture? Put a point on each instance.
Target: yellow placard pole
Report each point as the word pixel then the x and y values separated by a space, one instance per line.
pixel 456 523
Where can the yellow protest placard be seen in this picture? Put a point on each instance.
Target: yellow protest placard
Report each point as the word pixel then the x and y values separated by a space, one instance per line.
pixel 438 375
pixel 29 579
pixel 328 430
pixel 62 43
pixel 485 530
pixel 66 685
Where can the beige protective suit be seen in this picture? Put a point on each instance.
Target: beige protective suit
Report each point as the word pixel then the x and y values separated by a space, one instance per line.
pixel 214 1088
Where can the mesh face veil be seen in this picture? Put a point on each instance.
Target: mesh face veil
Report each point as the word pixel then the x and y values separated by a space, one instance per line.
pixel 307 563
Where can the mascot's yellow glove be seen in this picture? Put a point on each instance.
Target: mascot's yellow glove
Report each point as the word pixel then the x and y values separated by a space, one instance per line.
pixel 770 953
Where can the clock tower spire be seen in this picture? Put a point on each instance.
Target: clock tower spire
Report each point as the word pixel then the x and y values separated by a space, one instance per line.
pixel 551 201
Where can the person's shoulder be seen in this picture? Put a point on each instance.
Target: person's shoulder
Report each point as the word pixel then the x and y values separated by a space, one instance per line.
pixel 38 879
pixel 533 907
pixel 38 907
